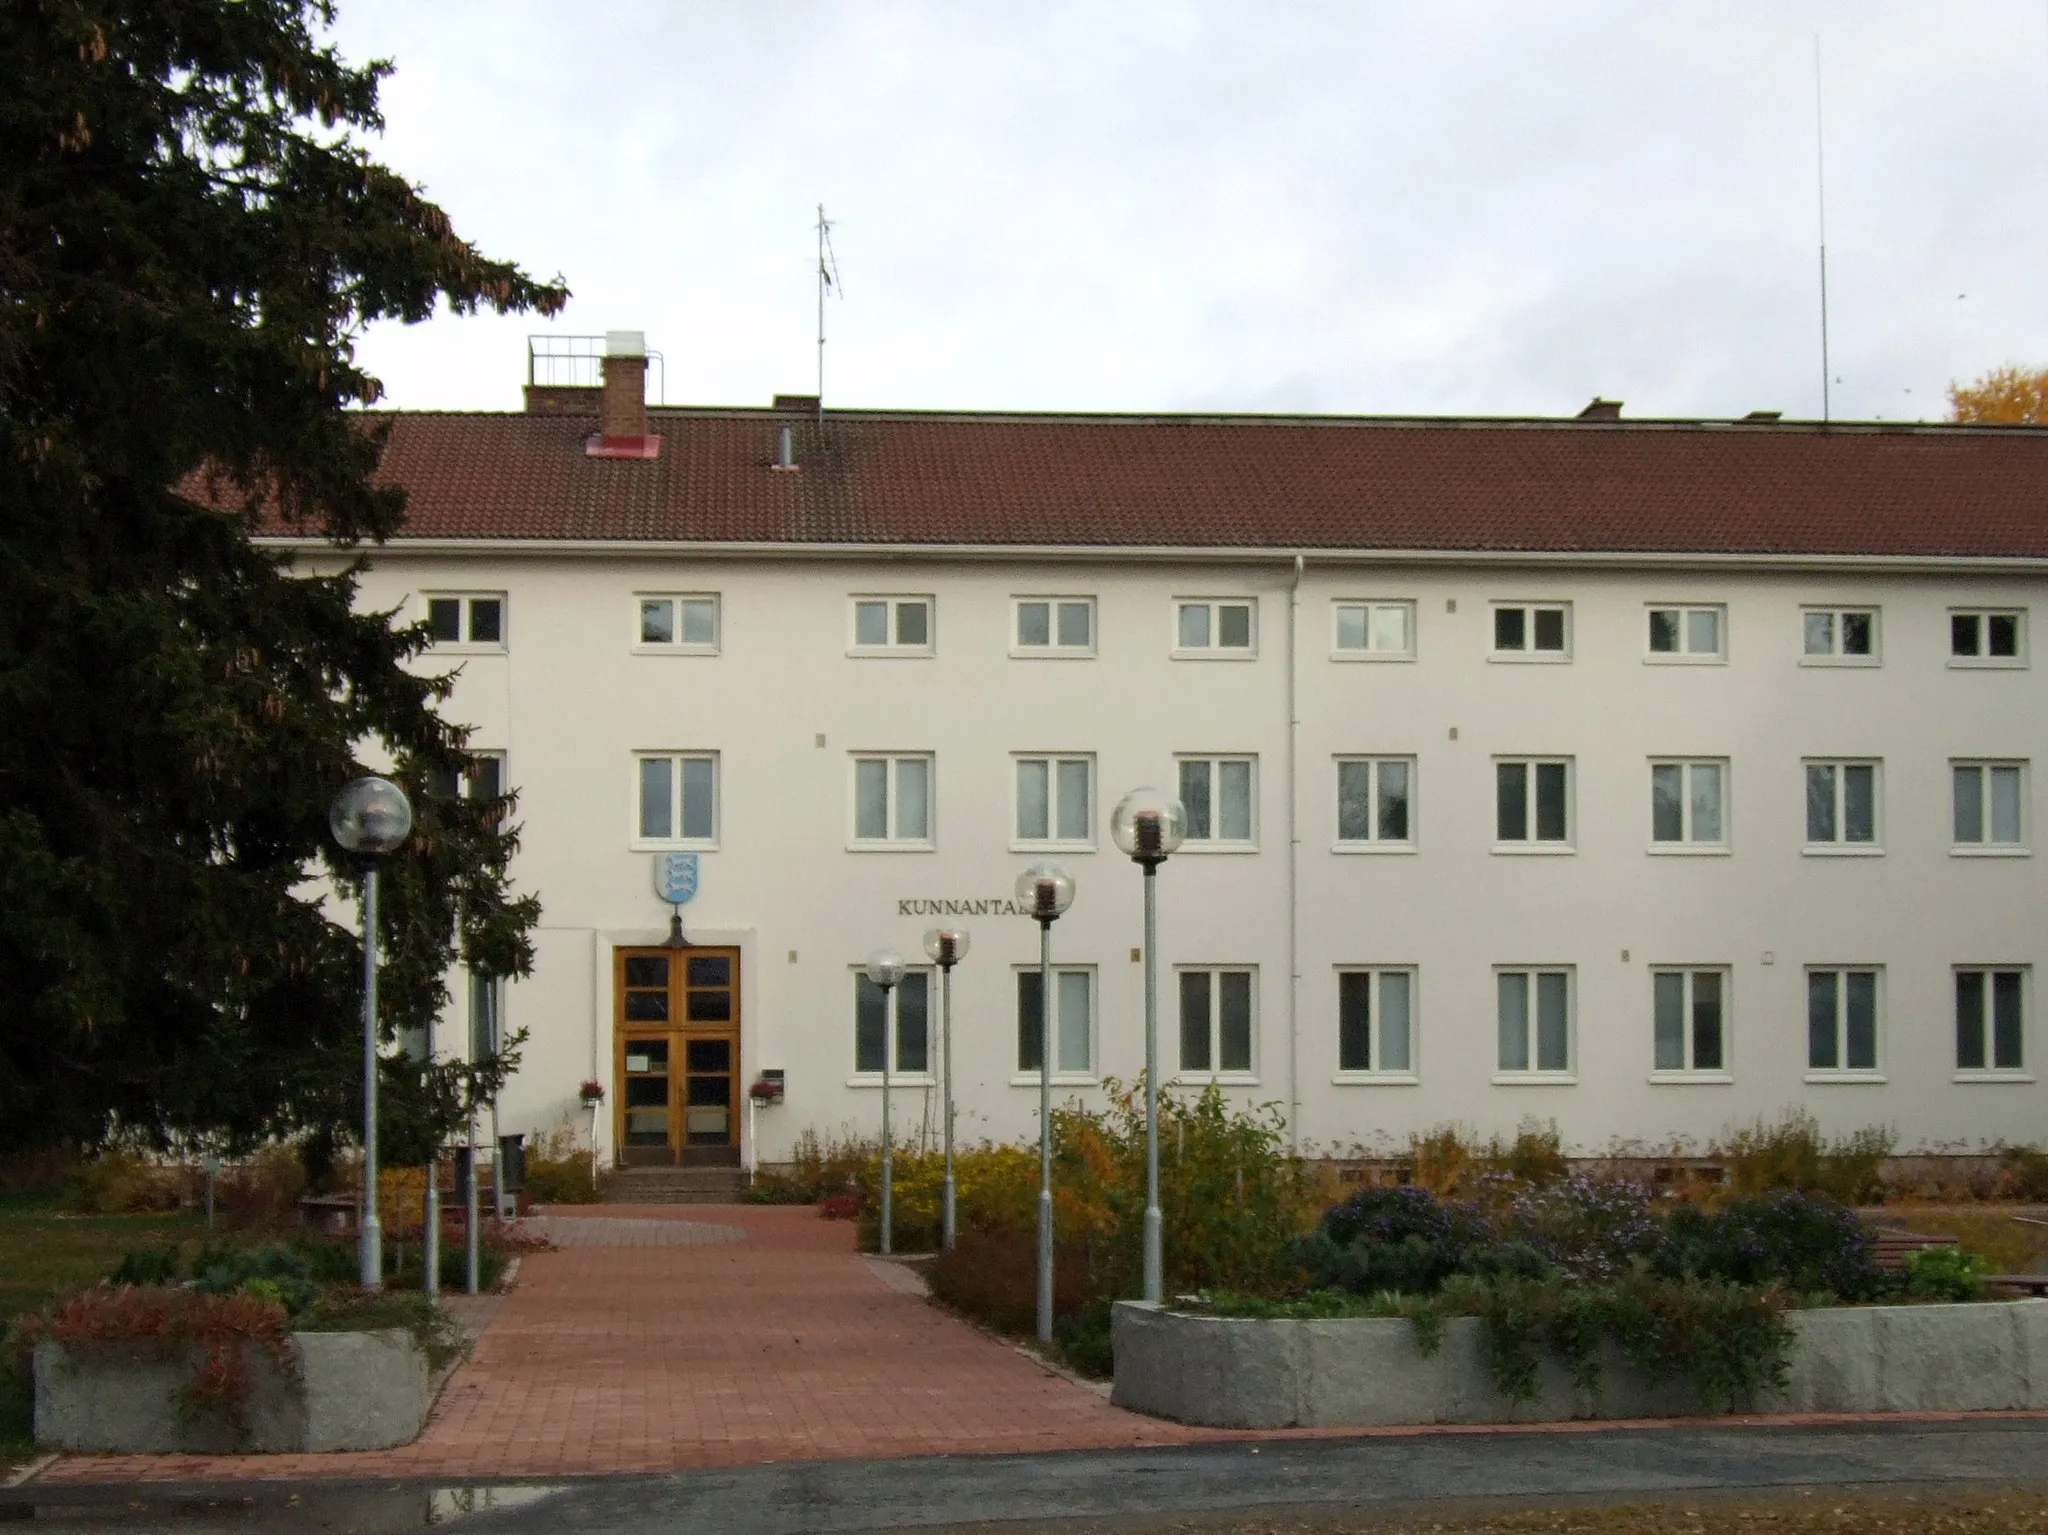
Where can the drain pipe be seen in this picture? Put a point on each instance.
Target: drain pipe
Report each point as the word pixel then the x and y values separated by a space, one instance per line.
pixel 1294 864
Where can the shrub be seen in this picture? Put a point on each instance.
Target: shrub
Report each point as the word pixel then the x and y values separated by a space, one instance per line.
pixel 1592 1229
pixel 1792 1154
pixel 264 1188
pixel 1807 1242
pixel 992 1276
pixel 817 1169
pixel 146 1266
pixel 2026 1172
pixel 1084 1342
pixel 559 1169
pixel 1944 1274
pixel 119 1182
pixel 1450 1160
pixel 275 1272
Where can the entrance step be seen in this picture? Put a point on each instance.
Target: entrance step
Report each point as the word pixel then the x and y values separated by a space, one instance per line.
pixel 676 1186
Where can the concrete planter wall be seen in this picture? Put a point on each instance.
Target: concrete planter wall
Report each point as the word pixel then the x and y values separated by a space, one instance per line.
pixel 354 1391
pixel 1237 1373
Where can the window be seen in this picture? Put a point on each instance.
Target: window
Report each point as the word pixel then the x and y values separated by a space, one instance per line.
pixel 465 618
pixel 1532 799
pixel 1690 1020
pixel 892 626
pixel 1054 802
pixel 1206 627
pixel 483 778
pixel 900 1017
pixel 1688 634
pixel 1217 794
pixel 1073 1022
pixel 1531 631
pixel 1990 1020
pixel 1988 796
pixel 1055 626
pixel 1535 1022
pixel 1215 1022
pixel 1841 636
pixel 686 624
pixel 1375 802
pixel 1985 637
pixel 678 797
pixel 892 800
pixel 1841 1020
pixel 1688 805
pixel 1376 1022
pixel 1841 806
pixel 1375 631
pixel 486 1014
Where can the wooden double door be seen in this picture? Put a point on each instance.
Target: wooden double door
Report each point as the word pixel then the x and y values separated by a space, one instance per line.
pixel 678 1061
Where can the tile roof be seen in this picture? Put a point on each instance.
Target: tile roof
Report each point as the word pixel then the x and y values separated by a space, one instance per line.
pixel 1332 483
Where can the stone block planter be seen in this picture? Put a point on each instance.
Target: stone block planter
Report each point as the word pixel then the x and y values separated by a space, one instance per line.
pixel 353 1391
pixel 1230 1372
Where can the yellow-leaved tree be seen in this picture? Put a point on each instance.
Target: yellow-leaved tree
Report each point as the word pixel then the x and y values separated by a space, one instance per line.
pixel 2007 396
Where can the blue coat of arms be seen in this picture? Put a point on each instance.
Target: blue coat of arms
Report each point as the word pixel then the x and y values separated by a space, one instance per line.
pixel 675 877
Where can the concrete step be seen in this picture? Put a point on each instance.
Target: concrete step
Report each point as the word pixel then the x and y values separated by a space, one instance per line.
pixel 676 1186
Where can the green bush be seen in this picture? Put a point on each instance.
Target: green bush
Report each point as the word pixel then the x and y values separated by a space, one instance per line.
pixel 147 1265
pixel 1807 1242
pixel 1945 1274
pixel 1792 1154
pixel 272 1272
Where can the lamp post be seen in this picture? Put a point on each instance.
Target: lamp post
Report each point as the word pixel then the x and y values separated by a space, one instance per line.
pixel 1147 827
pixel 885 970
pixel 947 946
pixel 1044 891
pixel 370 817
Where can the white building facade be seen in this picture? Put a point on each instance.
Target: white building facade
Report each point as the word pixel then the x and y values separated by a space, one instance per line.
pixel 1649 778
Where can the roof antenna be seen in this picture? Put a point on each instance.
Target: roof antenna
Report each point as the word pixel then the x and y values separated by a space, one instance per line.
pixel 828 282
pixel 1820 173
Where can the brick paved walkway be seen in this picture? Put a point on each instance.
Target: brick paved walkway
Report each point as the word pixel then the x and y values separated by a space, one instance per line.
pixel 639 1347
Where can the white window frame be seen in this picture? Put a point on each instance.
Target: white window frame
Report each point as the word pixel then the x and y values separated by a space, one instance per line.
pixel 892 843
pixel 1062 1076
pixel 1983 660
pixel 1533 1074
pixel 678 647
pixel 890 648
pixel 1376 1074
pixel 892 1039
pixel 1990 1071
pixel 1216 843
pixel 1836 612
pixel 1375 764
pixel 1216 650
pixel 1053 801
pixel 1838 1073
pixel 1533 845
pixel 1688 844
pixel 1371 608
pixel 1052 649
pixel 1685 655
pixel 1225 1077
pixel 1983 846
pixel 1841 847
pixel 466 619
pixel 1528 653
pixel 675 758
pixel 1691 1071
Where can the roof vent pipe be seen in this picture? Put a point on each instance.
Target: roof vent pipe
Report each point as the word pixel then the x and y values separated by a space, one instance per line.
pixel 785 450
pixel 1601 410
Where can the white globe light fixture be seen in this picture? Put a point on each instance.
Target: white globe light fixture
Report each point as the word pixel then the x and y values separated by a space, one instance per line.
pixel 371 817
pixel 884 970
pixel 946 947
pixel 1044 892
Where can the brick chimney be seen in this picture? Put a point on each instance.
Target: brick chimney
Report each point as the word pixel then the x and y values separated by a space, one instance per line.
pixel 622 413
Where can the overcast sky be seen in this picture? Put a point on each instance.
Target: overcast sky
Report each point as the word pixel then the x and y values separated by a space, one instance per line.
pixel 1490 207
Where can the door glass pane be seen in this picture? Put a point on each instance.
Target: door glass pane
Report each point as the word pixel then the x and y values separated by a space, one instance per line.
pixel 1553 1039
pixel 647 1092
pixel 1073 800
pixel 871 799
pixel 1706 802
pixel 1663 630
pixel 1514 1021
pixel 656 787
pixel 1969 782
pixel 1856 634
pixel 709 970
pixel 913 1022
pixel 1511 801
pixel 913 623
pixel 1706 1020
pixel 1354 1021
pixel 1194 798
pixel 1820 802
pixel 1234 1020
pixel 871 623
pixel 708 1055
pixel 646 970
pixel 1234 796
pixel 1549 629
pixel 1354 801
pixel 647 1006
pixel 913 798
pixel 1508 628
pixel 657 621
pixel 1074 625
pixel 1390 629
pixel 2005 1020
pixel 1073 1019
pixel 1350 626
pixel 700 621
pixel 1393 801
pixel 1395 993
pixel 870 1025
pixel 1860 1020
pixel 1034 623
pixel 1669 989
pixel 1550 802
pixel 2005 804
pixel 1820 634
pixel 1823 1052
pixel 1859 804
pixel 709 1006
pixel 1031 1020
pixel 1032 810
pixel 698 803
pixel 1234 626
pixel 1194 626
pixel 1969 1020
pixel 1703 632
pixel 1667 808
pixel 1194 1020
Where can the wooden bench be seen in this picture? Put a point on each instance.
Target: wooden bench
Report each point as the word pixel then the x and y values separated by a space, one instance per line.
pixel 1895 1247
pixel 2034 1284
